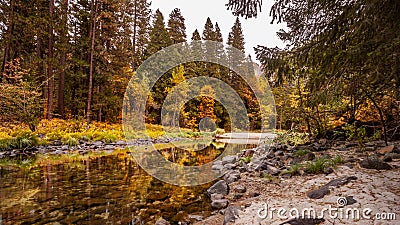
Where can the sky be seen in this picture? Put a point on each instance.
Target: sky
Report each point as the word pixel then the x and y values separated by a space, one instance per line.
pixel 256 31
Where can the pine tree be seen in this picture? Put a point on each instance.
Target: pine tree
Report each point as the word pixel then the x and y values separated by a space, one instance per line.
pixel 208 32
pixel 139 14
pixel 236 38
pixel 159 36
pixel 196 36
pixel 177 27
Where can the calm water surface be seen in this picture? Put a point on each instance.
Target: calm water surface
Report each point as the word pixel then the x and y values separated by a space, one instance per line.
pixel 109 189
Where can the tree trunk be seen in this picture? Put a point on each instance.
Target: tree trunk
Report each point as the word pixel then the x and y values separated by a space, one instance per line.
pixel 10 29
pixel 92 34
pixel 61 80
pixel 50 75
pixel 382 118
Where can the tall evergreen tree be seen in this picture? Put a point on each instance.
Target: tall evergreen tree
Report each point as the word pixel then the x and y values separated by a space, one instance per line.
pixel 140 16
pixel 196 36
pixel 159 36
pixel 176 26
pixel 236 38
pixel 208 32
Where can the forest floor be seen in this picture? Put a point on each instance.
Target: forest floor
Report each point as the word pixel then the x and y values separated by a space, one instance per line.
pixel 377 190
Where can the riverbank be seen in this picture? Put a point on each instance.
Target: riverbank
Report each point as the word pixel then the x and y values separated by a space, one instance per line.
pixel 315 175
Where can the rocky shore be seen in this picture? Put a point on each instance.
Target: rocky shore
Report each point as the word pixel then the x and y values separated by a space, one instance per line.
pixel 256 180
pixel 58 148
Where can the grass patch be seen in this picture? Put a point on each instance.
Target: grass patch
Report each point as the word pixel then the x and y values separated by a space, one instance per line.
pixel 293 170
pixel 302 152
pixel 268 177
pixel 291 138
pixel 246 160
pixel 317 165
pixel 338 160
pixel 70 141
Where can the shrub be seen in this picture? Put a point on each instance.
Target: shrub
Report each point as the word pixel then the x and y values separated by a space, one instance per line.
pixel 293 170
pixel 69 140
pixel 246 160
pixel 337 160
pixel 317 165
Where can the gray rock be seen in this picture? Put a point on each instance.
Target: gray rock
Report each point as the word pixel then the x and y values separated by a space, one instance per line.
pixel 162 221
pixel 229 160
pixel 393 155
pixel 65 147
pixel 220 204
pixel 318 194
pixel 340 181
pixel 231 177
pixel 231 214
pixel 350 200
pixel 230 166
pixel 217 167
pixel 272 170
pixel 374 163
pixel 240 189
pixel 196 217
pixel 219 162
pixel 120 143
pixel 221 187
pixel 109 147
pixel 98 143
pixel 279 153
pixel 328 170
pixel 215 197
pixel 242 169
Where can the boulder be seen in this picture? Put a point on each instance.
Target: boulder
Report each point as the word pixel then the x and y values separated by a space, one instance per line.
pixel 220 204
pixel 221 187
pixel 231 177
pixel 374 163
pixel 318 194
pixel 231 214
pixel 162 221
pixel 240 189
pixel 230 159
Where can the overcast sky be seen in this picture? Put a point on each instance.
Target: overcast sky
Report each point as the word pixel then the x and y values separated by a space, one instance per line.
pixel 257 31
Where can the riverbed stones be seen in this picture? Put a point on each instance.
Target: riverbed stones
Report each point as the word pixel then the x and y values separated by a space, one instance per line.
pixel 374 162
pixel 162 221
pixel 230 166
pixel 221 187
pixel 220 204
pixel 240 189
pixel 319 193
pixel 230 159
pixel 231 214
pixel 231 177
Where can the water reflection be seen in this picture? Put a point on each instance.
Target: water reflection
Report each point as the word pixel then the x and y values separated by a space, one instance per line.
pixel 106 190
pixel 109 189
